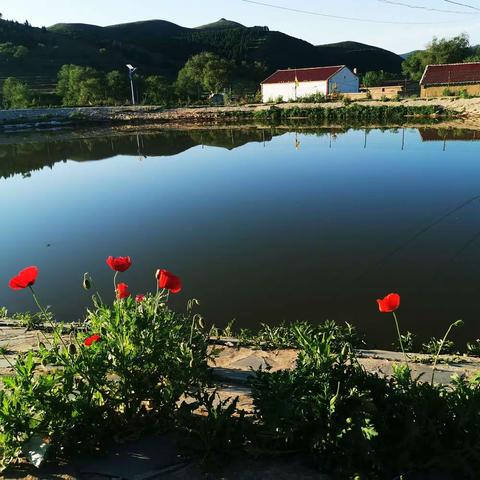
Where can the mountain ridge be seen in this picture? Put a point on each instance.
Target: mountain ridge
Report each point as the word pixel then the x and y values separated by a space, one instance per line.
pixel 157 46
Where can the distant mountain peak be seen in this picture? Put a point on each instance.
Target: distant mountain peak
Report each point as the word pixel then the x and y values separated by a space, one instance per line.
pixel 220 24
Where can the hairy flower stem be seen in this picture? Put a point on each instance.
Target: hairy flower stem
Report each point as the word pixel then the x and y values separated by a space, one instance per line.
pixel 158 296
pixel 115 284
pixel 191 329
pixel 47 320
pixel 400 339
pixel 96 291
pixel 442 343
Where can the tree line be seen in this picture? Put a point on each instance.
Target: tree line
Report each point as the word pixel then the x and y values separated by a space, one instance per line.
pixel 202 75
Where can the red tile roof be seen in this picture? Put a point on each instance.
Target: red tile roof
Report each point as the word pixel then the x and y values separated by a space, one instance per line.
pixel 451 73
pixel 303 74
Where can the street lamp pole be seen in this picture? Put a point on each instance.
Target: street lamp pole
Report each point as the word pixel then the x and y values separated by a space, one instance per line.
pixel 131 71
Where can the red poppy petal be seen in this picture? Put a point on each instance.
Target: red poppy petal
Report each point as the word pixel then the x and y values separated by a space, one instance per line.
pixel 389 303
pixel 29 275
pixel 24 279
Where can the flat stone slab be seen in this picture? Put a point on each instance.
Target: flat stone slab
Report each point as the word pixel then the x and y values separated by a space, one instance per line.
pixel 232 361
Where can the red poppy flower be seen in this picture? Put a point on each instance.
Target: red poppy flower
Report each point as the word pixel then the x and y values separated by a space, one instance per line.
pixel 92 339
pixel 169 281
pixel 139 298
pixel 122 291
pixel 119 264
pixel 389 303
pixel 25 278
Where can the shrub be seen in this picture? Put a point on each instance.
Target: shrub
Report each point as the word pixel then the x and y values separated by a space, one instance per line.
pixel 123 372
pixel 352 422
pixel 314 98
pixel 16 94
pixel 464 94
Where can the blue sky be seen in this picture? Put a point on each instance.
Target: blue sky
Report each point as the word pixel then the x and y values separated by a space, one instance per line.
pixel 416 24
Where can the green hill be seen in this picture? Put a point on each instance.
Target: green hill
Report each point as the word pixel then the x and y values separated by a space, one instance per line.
pixel 221 24
pixel 162 47
pixel 364 57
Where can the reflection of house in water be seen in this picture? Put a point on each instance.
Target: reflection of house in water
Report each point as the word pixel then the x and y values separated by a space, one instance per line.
pixel 451 134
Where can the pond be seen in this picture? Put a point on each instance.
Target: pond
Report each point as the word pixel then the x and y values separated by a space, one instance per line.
pixel 262 224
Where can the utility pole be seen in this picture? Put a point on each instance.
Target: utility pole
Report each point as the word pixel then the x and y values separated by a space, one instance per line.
pixel 131 71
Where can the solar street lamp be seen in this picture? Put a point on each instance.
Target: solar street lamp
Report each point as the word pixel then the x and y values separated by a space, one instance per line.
pixel 131 71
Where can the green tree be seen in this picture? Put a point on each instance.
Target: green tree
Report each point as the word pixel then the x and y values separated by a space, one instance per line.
pixel 414 66
pixel 205 71
pixel 16 94
pixel 117 87
pixel 20 52
pixel 80 86
pixel 376 78
pixel 9 50
pixel 454 50
pixel 157 91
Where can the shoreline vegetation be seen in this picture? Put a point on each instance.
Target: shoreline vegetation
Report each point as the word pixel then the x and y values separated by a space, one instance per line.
pixel 359 113
pixel 135 367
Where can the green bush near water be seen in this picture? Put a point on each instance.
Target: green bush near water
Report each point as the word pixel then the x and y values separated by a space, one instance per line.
pixel 351 113
pixel 357 424
pixel 128 381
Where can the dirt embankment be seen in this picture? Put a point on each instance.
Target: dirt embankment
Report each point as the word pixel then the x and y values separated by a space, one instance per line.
pixel 468 113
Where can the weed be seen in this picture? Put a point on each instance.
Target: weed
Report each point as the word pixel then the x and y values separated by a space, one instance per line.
pixel 431 346
pixel 473 348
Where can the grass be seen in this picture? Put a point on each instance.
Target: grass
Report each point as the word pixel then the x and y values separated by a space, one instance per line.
pixel 287 335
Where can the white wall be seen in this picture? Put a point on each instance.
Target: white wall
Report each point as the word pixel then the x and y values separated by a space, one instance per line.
pixel 272 91
pixel 344 81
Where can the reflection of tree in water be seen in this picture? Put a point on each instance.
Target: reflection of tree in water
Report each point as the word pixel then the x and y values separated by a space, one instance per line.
pixel 31 155
pixel 33 152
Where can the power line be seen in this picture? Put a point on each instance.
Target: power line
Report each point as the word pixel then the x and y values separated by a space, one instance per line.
pixel 419 7
pixel 339 17
pixel 462 5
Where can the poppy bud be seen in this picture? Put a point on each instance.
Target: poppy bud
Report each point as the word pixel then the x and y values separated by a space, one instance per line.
pixel 87 284
pixel 157 274
pixel 72 349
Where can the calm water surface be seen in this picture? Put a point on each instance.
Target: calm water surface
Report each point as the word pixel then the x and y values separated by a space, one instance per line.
pixel 262 225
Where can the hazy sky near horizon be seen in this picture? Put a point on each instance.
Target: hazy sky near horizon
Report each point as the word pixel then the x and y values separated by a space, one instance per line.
pixel 413 22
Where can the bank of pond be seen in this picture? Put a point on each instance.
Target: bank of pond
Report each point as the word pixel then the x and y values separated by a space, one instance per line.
pixel 138 367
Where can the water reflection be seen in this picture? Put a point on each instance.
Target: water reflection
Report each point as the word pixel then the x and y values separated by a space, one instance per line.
pixel 22 154
pixel 264 224
pixel 25 153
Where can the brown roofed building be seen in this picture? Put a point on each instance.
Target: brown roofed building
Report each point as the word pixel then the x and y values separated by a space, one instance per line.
pixel 450 78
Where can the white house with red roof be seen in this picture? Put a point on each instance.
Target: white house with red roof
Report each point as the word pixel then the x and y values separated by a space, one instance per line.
pixel 294 83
